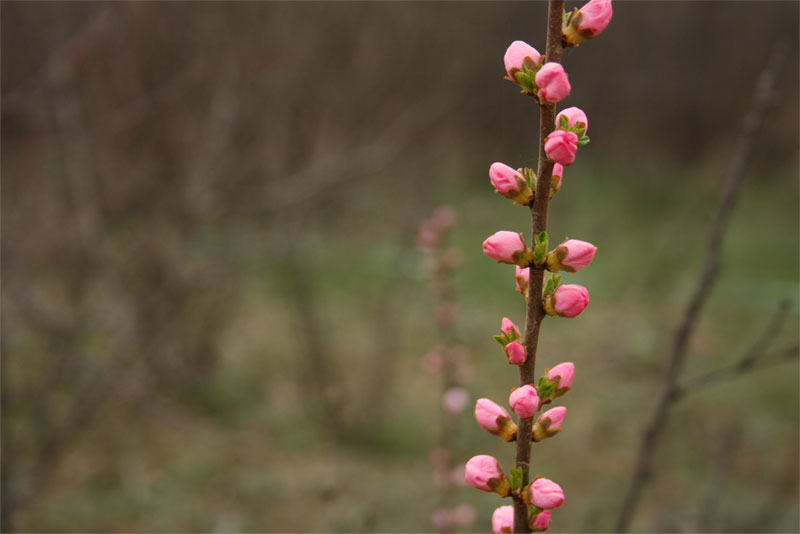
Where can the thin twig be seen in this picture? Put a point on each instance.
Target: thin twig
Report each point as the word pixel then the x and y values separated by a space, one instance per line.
pixel 535 313
pixel 762 99
pixel 755 357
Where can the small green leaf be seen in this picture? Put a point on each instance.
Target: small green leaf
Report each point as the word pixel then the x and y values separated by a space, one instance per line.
pixel 552 284
pixel 563 122
pixel 500 340
pixel 583 141
pixel 542 383
pixel 540 248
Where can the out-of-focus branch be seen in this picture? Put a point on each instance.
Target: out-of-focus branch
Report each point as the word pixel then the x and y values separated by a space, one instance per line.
pixel 762 100
pixel 757 356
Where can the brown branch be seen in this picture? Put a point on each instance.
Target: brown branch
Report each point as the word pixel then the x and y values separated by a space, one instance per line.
pixel 736 172
pixel 534 312
pixel 755 357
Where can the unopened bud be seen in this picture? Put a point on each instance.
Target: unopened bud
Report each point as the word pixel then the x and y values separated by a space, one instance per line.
pixel 503 520
pixel 572 255
pixel 575 118
pixel 552 83
pixel 507 247
pixel 540 522
pixel 549 423
pixel 509 329
pixel 484 473
pixel 569 300
pixel 555 182
pixel 521 62
pixel 561 147
pixel 495 420
pixel 516 353
pixel 562 375
pixel 545 494
pixel 524 401
pixel 587 22
pixel 522 276
pixel 510 183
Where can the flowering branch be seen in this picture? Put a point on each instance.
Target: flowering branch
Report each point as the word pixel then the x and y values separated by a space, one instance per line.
pixel 544 79
pixel 534 312
pixel 736 173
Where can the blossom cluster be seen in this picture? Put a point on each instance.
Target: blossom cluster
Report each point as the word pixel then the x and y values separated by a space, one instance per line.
pixel 548 83
pixel 485 473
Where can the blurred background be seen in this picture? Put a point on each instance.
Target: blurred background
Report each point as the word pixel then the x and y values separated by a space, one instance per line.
pixel 214 311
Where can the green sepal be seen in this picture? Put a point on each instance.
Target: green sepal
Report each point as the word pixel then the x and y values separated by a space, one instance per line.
pixel 533 511
pixel 528 64
pixel 529 176
pixel 584 140
pixel 563 122
pixel 500 340
pixel 515 477
pixel 552 284
pixel 540 248
pixel 545 389
pixel 525 80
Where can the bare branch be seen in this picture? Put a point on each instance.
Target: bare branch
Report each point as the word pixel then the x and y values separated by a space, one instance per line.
pixel 755 357
pixel 762 101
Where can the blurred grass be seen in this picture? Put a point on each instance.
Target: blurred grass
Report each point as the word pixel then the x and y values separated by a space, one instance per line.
pixel 249 457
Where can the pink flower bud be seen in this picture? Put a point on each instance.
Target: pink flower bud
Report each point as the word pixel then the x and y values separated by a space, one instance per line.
pixel 509 328
pixel 503 520
pixel 540 522
pixel 546 494
pixel 522 275
pixel 552 83
pixel 558 171
pixel 595 16
pixel 464 515
pixel 516 353
pixel 516 54
pixel 563 373
pixel 575 117
pixel 569 300
pixel 505 247
pixel 572 255
pixel 555 183
pixel 506 180
pixel 455 400
pixel 494 419
pixel 484 473
pixel 556 417
pixel 524 401
pixel 561 147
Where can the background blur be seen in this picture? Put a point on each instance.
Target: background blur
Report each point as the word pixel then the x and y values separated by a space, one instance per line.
pixel 213 308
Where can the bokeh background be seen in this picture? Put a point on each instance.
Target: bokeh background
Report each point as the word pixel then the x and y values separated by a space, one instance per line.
pixel 214 312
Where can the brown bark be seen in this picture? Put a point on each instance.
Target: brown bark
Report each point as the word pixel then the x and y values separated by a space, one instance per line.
pixel 535 313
